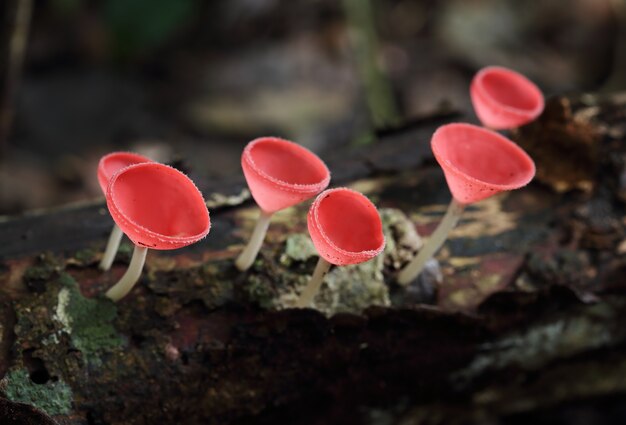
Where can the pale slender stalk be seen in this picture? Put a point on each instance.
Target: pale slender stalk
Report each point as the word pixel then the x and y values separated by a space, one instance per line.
pixel 112 246
pixel 436 240
pixel 126 283
pixel 248 255
pixel 314 285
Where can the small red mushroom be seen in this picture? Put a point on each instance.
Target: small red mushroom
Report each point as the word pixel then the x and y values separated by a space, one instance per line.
pixel 107 167
pixel 280 174
pixel 346 229
pixel 504 99
pixel 477 163
pixel 157 207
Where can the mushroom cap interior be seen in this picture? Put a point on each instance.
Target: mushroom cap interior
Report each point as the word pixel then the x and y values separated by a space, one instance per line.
pixel 161 200
pixel 350 221
pixel 287 162
pixel 510 89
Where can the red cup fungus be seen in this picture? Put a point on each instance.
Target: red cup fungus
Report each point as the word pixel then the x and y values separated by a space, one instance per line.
pixel 279 174
pixel 346 229
pixel 113 162
pixel 157 207
pixel 477 163
pixel 505 99
pixel 107 167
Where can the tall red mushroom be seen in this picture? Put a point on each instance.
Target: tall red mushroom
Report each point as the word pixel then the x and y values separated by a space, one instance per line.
pixel 107 167
pixel 477 163
pixel 280 174
pixel 346 229
pixel 157 207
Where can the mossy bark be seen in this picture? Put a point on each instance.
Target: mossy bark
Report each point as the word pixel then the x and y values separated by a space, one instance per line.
pixel 520 319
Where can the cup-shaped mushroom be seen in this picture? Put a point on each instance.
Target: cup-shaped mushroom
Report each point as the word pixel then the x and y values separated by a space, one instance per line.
pixel 478 163
pixel 113 162
pixel 505 99
pixel 280 174
pixel 107 167
pixel 346 229
pixel 157 207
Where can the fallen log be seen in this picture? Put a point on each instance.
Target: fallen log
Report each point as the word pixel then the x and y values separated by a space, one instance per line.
pixel 524 323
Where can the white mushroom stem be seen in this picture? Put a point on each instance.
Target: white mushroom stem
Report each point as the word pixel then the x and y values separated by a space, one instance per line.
pixel 248 255
pixel 436 240
pixel 126 283
pixel 314 285
pixel 112 246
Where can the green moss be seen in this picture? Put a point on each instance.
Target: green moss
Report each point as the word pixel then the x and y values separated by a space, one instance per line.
pixel 88 321
pixel 54 398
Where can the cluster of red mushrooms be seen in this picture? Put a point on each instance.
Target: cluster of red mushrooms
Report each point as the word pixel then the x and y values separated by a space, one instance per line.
pixel 158 207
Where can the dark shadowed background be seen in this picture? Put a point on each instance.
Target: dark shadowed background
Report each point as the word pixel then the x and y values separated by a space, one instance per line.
pixel 190 82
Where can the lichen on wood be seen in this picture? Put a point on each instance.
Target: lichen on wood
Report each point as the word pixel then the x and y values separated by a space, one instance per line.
pixel 54 398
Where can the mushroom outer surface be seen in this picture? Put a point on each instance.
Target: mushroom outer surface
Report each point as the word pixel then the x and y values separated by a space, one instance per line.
pixel 113 162
pixel 505 99
pixel 478 163
pixel 157 206
pixel 281 173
